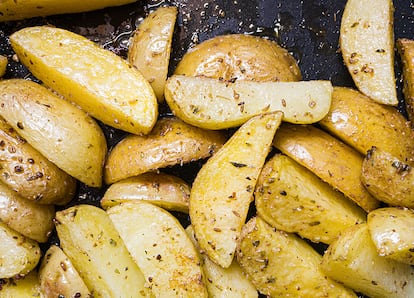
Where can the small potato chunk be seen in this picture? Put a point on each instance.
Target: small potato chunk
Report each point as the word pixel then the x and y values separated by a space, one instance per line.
pixel 362 123
pixel 163 190
pixel 293 199
pixel 62 133
pixel 388 179
pixel 89 239
pixel 3 64
pixel 150 47
pixel 161 248
pixel 18 254
pixel 352 259
pixel 406 50
pixel 99 81
pixel 367 43
pixel 331 160
pixel 214 104
pixel 21 287
pixel 172 142
pixel 223 189
pixel 283 265
pixel 58 277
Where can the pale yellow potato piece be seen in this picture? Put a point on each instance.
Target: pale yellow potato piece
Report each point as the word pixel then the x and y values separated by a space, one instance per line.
pixel 150 47
pixel 293 199
pixel 18 254
pixel 99 81
pixel 223 188
pixel 161 248
pixel 164 190
pixel 283 265
pixel 171 142
pixel 61 132
pixel 11 10
pixel 367 44
pixel 406 50
pixel 214 104
pixel 331 160
pixel 352 259
pixel 89 239
pixel 3 64
pixel 19 287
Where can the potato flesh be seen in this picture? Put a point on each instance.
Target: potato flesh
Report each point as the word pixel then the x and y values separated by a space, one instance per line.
pixel 406 50
pixel 3 64
pixel 223 189
pixel 214 104
pixel 28 286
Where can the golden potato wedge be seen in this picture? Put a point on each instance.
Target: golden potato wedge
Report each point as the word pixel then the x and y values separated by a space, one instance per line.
pixel 283 265
pixel 62 133
pixel 363 123
pixel 170 143
pixel 150 47
pixel 388 179
pixel 89 239
pixel 352 259
pixel 97 80
pixel 58 277
pixel 21 287
pixel 18 254
pixel 391 231
pixel 331 160
pixel 28 218
pixel 291 198
pixel 223 188
pixel 11 10
pixel 3 64
pixel 164 190
pixel 161 248
pixel 29 173
pixel 366 40
pixel 223 282
pixel 239 57
pixel 214 104
pixel 406 50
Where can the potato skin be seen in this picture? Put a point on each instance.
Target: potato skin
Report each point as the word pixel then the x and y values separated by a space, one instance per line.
pixel 19 287
pixel 3 64
pixel 241 57
pixel 406 50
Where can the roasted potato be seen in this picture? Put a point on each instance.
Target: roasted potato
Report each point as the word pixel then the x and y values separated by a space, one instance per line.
pixel 161 248
pixel 283 265
pixel 3 64
pixel 292 199
pixel 352 259
pixel 170 143
pixel 214 104
pixel 406 50
pixel 331 160
pixel 363 123
pixel 239 57
pixel 150 47
pixel 164 190
pixel 223 188
pixel 102 83
pixel 21 287
pixel 366 40
pixel 89 239
pixel 61 132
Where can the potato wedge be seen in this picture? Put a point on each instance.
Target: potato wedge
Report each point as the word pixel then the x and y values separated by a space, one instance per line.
pixel 239 57
pixel 58 277
pixel 331 160
pixel 161 248
pixel 3 64
pixel 363 123
pixel 150 47
pixel 17 10
pixel 21 287
pixel 352 259
pixel 388 179
pixel 213 104
pixel 223 282
pixel 164 190
pixel 171 142
pixel 223 189
pixel 283 265
pixel 291 198
pixel 28 218
pixel 97 80
pixel 406 50
pixel 64 134
pixel 18 254
pixel 89 239
pixel 391 231
pixel 366 40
